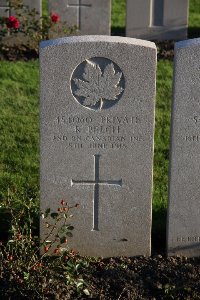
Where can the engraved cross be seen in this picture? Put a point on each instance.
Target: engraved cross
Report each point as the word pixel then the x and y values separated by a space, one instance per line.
pixel 6 7
pixel 79 5
pixel 96 183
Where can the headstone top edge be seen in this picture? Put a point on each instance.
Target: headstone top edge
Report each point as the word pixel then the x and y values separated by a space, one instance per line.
pixel 187 43
pixel 97 38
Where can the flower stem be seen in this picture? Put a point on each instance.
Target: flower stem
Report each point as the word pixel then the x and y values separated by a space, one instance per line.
pixel 101 105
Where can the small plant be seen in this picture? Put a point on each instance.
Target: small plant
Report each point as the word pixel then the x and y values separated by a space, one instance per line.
pixel 27 27
pixel 24 272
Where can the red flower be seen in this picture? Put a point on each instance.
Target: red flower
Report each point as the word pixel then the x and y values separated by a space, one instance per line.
pixel 57 250
pixel 12 22
pixel 46 249
pixel 10 258
pixel 54 17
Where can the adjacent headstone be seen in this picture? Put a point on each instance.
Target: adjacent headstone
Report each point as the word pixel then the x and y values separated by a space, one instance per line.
pixel 157 19
pixel 6 11
pixel 89 16
pixel 184 188
pixel 97 128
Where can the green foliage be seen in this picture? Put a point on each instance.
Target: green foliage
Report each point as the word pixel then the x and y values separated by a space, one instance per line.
pixel 26 273
pixel 28 28
pixel 194 16
pixel 44 7
pixel 118 13
pixel 162 133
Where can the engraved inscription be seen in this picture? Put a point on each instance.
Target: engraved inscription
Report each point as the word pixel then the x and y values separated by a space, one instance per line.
pixel 192 239
pixel 97 83
pixel 115 120
pixel 116 132
pixel 96 183
pixel 196 119
pixel 192 138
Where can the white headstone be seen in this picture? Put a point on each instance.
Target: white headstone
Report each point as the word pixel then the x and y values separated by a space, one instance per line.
pixel 184 189
pixel 157 19
pixel 97 128
pixel 89 16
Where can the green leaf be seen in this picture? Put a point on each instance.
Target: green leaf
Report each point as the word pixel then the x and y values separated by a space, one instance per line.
pixel 86 292
pixel 70 264
pixel 69 234
pixel 47 211
pixel 78 267
pixel 79 284
pixel 70 227
pixel 62 239
pixel 54 215
pixel 26 276
pixel 66 227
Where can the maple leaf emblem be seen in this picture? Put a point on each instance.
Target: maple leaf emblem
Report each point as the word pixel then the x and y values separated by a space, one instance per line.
pixel 98 86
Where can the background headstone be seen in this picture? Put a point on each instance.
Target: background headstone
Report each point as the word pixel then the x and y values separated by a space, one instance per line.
pixel 184 189
pixel 97 128
pixel 157 19
pixel 89 16
pixel 4 5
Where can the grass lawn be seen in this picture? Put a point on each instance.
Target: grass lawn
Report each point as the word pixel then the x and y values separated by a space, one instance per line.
pixel 19 139
pixel 19 122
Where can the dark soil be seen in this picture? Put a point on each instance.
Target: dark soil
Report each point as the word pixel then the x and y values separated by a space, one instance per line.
pixel 142 278
pixel 151 278
pixel 165 50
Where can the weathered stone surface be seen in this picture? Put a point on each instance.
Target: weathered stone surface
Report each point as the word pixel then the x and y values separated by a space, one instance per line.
pixel 97 127
pixel 184 189
pixel 157 19
pixel 89 16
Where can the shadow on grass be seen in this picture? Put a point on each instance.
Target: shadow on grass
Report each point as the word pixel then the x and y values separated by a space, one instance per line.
pixel 193 32
pixel 158 236
pixel 5 224
pixel 118 31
